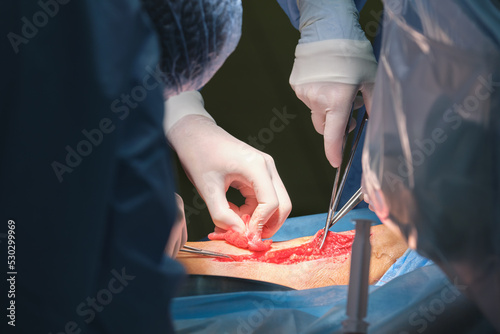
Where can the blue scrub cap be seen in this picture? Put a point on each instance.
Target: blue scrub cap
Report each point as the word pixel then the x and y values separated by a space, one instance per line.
pixel 196 37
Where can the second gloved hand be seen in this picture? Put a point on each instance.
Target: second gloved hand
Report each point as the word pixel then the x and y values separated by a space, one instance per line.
pixel 330 105
pixel 333 61
pixel 214 160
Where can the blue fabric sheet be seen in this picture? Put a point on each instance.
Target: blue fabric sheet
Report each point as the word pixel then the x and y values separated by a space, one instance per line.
pixel 320 310
pixel 297 227
pixel 410 261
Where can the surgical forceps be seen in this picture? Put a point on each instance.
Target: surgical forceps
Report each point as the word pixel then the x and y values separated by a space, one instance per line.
pixel 337 189
pixel 199 251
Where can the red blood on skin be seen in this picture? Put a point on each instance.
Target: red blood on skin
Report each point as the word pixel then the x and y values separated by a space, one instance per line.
pixel 336 245
pixel 249 240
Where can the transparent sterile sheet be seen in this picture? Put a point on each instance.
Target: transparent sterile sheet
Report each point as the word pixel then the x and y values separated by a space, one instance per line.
pixel 431 159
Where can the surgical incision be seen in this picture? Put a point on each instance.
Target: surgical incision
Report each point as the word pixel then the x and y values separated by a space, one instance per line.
pixel 298 263
pixel 337 246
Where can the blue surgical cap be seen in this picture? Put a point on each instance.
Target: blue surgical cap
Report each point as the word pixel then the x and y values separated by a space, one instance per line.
pixel 196 37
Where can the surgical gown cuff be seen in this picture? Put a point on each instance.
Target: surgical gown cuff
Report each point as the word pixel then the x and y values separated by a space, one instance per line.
pixel 181 105
pixel 342 61
pixel 291 9
pixel 328 19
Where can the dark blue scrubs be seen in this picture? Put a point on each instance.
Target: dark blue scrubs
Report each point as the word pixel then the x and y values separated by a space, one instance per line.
pixel 85 172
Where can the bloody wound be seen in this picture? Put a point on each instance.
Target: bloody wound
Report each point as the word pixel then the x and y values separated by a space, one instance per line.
pixel 336 245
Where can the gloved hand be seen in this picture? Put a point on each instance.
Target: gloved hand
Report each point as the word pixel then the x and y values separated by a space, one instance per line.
pixel 330 104
pixel 333 61
pixel 178 234
pixel 214 160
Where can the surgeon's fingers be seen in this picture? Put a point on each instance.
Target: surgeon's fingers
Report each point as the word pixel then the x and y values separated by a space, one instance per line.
pixel 358 102
pixel 265 194
pixel 367 91
pixel 246 190
pixel 223 216
pixel 335 124
pixel 285 206
pixel 330 105
pixel 319 119
pixel 367 201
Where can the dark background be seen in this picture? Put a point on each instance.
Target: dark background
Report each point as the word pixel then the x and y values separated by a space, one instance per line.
pixel 241 98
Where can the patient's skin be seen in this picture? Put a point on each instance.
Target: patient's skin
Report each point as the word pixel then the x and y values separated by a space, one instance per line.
pixel 332 270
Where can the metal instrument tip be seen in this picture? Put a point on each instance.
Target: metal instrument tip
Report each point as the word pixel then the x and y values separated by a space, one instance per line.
pixel 325 233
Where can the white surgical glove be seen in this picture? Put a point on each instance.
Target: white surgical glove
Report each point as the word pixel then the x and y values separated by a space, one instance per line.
pixel 333 61
pixel 214 160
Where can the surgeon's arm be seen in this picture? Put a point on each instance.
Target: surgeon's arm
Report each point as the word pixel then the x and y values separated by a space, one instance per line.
pixel 333 61
pixel 214 161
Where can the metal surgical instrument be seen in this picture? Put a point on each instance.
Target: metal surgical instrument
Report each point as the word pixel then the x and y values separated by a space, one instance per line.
pixel 337 189
pixel 351 204
pixel 199 251
pixel 357 295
